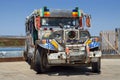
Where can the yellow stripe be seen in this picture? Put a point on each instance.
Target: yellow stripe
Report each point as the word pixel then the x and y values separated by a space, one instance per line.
pixel 54 43
pixel 88 42
pixel 74 12
pixel 46 12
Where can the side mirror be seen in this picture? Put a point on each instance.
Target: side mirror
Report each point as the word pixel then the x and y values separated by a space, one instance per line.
pixel 88 21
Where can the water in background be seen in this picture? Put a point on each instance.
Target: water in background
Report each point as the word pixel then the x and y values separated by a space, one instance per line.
pixel 9 52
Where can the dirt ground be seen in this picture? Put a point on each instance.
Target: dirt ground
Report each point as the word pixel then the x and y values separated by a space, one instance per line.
pixel 21 71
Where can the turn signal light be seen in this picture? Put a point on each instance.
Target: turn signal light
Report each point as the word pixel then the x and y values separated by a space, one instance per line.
pixel 88 49
pixel 67 50
pixel 43 41
pixel 45 28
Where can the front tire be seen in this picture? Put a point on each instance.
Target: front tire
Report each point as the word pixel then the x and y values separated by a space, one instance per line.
pixel 40 65
pixel 96 66
pixel 25 55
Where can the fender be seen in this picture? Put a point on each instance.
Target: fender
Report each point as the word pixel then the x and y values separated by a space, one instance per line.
pixel 47 46
pixel 94 44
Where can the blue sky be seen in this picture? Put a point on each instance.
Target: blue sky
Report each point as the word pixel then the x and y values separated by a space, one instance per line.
pixel 105 13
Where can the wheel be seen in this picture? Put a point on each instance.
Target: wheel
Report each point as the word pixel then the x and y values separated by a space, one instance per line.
pixel 25 56
pixel 96 66
pixel 26 52
pixel 40 64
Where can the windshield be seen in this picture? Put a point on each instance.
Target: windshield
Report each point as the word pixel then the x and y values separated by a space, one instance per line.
pixel 58 20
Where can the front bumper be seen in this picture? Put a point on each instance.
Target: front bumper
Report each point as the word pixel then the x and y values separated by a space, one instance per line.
pixel 63 58
pixel 95 54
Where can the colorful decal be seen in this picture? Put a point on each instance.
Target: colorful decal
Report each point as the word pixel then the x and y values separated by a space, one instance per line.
pixel 94 44
pixel 54 43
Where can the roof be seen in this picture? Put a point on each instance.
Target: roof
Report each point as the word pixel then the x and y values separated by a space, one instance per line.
pixel 60 13
pixel 53 13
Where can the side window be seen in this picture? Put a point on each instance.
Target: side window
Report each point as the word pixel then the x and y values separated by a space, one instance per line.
pixel 34 31
pixel 27 24
pixel 26 27
pixel 31 31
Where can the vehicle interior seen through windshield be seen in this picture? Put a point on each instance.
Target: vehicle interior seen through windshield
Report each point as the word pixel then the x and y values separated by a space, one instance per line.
pixel 56 21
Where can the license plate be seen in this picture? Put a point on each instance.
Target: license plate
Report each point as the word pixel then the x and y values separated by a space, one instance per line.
pixel 94 59
pixel 75 50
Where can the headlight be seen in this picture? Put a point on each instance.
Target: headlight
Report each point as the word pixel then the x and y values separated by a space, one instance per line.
pixel 72 34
